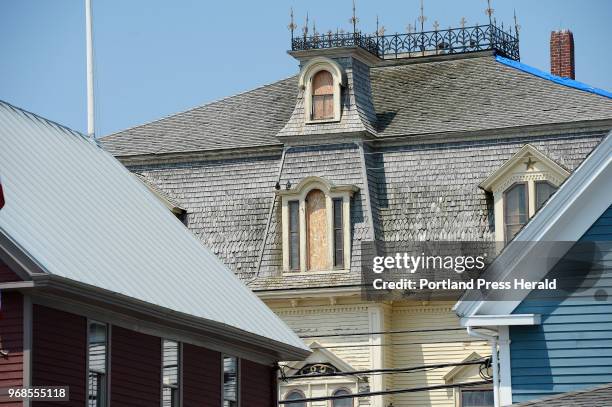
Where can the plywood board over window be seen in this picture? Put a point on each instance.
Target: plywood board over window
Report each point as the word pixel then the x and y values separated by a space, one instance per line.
pixel 316 218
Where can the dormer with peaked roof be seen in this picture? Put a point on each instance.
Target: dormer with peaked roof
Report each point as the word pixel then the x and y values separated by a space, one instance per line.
pixel 520 187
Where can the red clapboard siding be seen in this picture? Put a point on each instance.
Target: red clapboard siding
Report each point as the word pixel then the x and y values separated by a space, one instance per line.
pixel 6 274
pixel 257 385
pixel 11 341
pixel 135 369
pixel 201 377
pixel 59 351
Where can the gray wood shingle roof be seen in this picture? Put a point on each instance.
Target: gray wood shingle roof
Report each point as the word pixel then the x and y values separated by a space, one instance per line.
pixel 461 95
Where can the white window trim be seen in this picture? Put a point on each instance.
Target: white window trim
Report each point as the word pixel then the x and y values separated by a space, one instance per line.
pixel 309 70
pixel 345 192
pixel 515 171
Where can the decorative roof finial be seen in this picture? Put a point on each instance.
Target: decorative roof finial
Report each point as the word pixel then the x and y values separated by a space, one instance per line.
pixel 305 28
pixel 354 20
pixel 409 28
pixel 517 27
pixel 489 11
pixel 422 18
pixel 381 31
pixel 292 26
pixel 376 32
pixel 436 25
pixel 463 22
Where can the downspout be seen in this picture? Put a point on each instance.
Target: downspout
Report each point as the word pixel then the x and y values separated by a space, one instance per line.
pixel 492 339
pixel 270 213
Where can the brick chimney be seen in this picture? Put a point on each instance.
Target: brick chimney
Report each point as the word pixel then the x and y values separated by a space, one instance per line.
pixel 562 54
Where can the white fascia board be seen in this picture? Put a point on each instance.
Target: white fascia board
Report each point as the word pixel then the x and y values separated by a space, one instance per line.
pixel 501 320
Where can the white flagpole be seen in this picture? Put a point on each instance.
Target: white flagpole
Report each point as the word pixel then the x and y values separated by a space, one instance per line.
pixel 90 74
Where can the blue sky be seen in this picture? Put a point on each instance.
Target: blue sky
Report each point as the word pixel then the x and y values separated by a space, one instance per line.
pixel 158 57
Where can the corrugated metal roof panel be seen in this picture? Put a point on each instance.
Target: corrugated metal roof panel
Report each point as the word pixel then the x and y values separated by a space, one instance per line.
pixel 83 216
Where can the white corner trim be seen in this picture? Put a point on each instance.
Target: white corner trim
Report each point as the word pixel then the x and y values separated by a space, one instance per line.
pixel 505 367
pixel 501 320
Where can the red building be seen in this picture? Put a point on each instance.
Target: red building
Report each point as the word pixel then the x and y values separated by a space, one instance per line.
pixel 104 291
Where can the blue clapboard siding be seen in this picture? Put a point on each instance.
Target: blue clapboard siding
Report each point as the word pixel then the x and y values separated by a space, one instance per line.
pixel 572 348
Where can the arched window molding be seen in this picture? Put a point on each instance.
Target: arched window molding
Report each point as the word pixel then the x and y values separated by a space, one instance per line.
pixel 295 394
pixel 528 166
pixel 307 75
pixel 296 198
pixel 348 402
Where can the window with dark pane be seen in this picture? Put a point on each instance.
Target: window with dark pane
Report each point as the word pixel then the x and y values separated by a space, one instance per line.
pixel 294 235
pixel 345 402
pixel 230 381
pixel 296 395
pixel 544 190
pixel 97 360
pixel 171 374
pixel 515 209
pixel 476 398
pixel 322 96
pixel 338 234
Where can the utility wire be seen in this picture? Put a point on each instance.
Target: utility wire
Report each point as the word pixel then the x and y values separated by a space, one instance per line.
pixel 389 370
pixel 383 392
pixel 332 335
pixel 376 345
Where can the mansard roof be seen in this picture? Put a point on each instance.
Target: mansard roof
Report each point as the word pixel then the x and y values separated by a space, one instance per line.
pixel 440 96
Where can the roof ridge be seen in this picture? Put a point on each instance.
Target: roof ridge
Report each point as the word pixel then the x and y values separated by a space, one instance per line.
pixel 44 119
pixel 222 99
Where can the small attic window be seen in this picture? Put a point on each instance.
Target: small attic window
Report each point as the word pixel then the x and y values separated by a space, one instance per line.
pixel 322 96
pixel 321 80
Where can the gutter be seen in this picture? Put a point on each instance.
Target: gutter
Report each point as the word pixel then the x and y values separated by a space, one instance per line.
pixel 492 339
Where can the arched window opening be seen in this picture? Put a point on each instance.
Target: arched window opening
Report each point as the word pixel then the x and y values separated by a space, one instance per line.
pixel 322 96
pixel 296 395
pixel 347 402
pixel 316 225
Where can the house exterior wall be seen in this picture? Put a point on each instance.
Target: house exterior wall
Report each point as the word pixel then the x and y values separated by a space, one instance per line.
pixel 11 341
pixel 570 349
pixel 424 348
pixel 257 384
pixel 201 385
pixel 59 349
pixel 135 368
pixel 6 274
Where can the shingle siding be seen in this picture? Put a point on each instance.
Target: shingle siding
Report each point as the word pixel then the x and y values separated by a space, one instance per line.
pixel 572 348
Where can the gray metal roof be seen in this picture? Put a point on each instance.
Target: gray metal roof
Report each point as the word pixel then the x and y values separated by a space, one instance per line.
pixel 600 396
pixel 81 215
pixel 439 96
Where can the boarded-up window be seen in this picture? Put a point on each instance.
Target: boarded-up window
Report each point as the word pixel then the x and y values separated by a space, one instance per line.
pixel 515 209
pixel 338 234
pixel 316 221
pixel 322 96
pixel 294 235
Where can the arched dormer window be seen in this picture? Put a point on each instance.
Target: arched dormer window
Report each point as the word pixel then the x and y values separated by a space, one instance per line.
pixel 321 80
pixel 322 96
pixel 316 226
